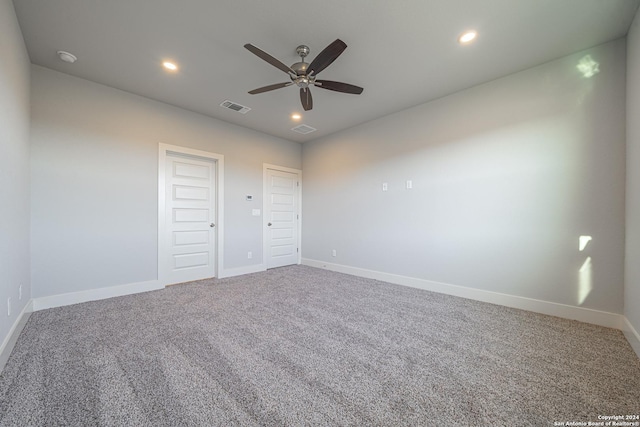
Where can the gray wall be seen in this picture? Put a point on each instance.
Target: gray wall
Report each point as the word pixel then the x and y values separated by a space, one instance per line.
pixel 506 177
pixel 94 182
pixel 14 168
pixel 632 271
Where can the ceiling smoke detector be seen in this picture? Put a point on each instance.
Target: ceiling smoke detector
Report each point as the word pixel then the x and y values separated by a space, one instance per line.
pixel 67 57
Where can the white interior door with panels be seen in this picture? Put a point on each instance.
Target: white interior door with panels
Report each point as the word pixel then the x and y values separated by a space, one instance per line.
pixel 189 215
pixel 282 187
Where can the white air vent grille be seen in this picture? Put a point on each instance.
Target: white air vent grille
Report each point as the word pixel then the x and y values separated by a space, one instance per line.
pixel 235 107
pixel 304 129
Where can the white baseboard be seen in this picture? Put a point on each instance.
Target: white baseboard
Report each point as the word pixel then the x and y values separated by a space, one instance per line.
pixel 587 315
pixel 61 300
pixel 632 335
pixel 239 271
pixel 11 338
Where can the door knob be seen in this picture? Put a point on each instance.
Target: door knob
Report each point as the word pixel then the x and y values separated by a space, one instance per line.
pixel 269 224
pixel 212 225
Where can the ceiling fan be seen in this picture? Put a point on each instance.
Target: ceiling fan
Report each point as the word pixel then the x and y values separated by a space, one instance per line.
pixel 304 74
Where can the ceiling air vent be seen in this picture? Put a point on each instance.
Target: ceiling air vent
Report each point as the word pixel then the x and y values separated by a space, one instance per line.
pixel 304 129
pixel 235 107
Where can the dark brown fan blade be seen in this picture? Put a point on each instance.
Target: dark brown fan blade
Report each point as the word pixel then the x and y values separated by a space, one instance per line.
pixel 326 57
pixel 270 59
pixel 270 87
pixel 306 98
pixel 339 86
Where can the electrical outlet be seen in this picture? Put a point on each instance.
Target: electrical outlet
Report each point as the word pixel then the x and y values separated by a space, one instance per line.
pixel 333 253
pixel 249 255
pixel 9 306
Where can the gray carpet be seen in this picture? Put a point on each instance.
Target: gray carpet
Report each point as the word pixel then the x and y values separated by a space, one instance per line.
pixel 301 346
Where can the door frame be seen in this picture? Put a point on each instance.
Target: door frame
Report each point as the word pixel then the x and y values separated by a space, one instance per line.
pixel 218 160
pixel 265 196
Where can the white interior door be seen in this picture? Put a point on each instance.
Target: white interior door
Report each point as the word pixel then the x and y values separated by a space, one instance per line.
pixel 281 216
pixel 190 215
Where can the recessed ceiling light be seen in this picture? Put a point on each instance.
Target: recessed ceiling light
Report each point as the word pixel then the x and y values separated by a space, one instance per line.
pixel 169 65
pixel 467 37
pixel 67 57
pixel 296 116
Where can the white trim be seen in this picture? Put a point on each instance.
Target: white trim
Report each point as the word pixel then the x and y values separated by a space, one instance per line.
pixel 597 317
pixel 265 196
pixel 631 334
pixel 239 271
pixel 219 160
pixel 266 166
pixel 12 337
pixel 70 298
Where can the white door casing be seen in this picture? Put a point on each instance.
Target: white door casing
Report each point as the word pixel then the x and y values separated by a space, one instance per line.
pixel 189 214
pixel 282 208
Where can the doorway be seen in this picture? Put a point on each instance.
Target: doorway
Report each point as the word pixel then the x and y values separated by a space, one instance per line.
pixel 282 222
pixel 189 214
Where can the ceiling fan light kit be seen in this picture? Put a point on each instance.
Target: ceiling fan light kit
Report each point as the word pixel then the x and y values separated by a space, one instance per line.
pixel 303 74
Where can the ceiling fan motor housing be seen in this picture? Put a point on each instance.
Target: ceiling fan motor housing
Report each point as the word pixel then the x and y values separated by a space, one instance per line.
pixel 300 68
pixel 301 79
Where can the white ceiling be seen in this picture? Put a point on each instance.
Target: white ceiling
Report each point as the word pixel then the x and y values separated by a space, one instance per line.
pixel 402 52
